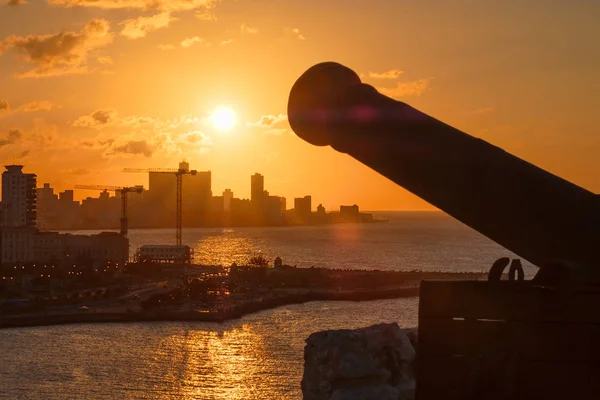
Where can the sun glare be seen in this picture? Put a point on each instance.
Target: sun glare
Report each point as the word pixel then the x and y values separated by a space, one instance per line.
pixel 223 119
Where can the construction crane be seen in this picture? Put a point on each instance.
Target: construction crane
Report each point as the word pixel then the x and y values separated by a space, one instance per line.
pixel 123 191
pixel 179 175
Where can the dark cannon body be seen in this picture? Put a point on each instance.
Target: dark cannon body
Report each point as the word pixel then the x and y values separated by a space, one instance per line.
pixel 496 339
pixel 535 214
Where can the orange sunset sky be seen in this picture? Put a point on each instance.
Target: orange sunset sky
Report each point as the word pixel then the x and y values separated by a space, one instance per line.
pixel 89 87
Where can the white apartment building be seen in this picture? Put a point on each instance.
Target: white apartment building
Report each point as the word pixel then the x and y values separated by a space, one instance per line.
pixel 21 242
pixel 18 198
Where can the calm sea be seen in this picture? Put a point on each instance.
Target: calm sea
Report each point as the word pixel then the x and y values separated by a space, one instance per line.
pixel 257 357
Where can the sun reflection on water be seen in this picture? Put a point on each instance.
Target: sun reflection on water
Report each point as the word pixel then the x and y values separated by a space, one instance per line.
pixel 221 250
pixel 257 357
pixel 222 364
pixel 346 234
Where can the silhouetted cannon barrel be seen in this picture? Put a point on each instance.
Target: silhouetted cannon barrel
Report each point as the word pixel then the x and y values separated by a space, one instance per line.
pixel 533 213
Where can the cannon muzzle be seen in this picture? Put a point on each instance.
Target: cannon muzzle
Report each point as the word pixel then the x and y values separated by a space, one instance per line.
pixel 531 212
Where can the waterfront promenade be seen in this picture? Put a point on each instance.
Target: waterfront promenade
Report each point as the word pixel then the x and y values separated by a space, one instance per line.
pixel 212 294
pixel 221 314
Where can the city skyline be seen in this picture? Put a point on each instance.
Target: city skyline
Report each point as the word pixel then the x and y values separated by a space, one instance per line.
pixel 216 75
pixel 79 193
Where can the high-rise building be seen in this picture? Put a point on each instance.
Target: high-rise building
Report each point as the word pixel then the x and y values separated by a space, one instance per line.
pixel 197 194
pixel 46 206
pixel 56 211
pixel 275 208
pixel 19 193
pixel 66 196
pixel 227 198
pixel 46 193
pixel 303 206
pixel 160 198
pixel 283 205
pixel 101 212
pixel 257 188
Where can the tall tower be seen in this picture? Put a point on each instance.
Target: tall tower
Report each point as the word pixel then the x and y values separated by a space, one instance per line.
pixel 18 197
pixel 257 188
pixel 227 198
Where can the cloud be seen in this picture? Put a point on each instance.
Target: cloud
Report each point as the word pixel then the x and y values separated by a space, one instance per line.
pixel 43 105
pixel 14 135
pixel 147 144
pixel 161 5
pixel 185 43
pixel 130 135
pixel 483 111
pixel 102 116
pixel 295 32
pixel 190 41
pixel 245 29
pixel 403 89
pixel 110 118
pixel 97 119
pixel 193 142
pixel 16 2
pixel 272 124
pixel 197 137
pixel 106 60
pixel 62 53
pixel 44 136
pixel 226 42
pixel 76 171
pixel 43 140
pixel 165 47
pixel 141 26
pixel 206 13
pixel 135 147
pixel 268 121
pixel 391 74
pixel 32 106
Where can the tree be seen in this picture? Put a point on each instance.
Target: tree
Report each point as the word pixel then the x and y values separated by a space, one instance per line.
pixel 258 261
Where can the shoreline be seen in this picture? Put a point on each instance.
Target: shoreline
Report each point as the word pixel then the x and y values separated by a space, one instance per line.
pixel 235 312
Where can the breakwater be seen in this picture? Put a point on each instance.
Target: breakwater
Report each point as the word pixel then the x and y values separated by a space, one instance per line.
pixel 233 312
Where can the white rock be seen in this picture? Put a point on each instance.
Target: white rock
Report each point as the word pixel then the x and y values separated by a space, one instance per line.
pixel 374 362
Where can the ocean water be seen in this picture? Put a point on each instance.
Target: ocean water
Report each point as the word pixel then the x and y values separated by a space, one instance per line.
pixel 257 357
pixel 411 240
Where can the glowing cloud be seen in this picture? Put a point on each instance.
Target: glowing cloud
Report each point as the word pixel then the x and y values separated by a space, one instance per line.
pixel 391 74
pixel 140 27
pixel 62 53
pixel 295 32
pixel 403 89
pixel 162 5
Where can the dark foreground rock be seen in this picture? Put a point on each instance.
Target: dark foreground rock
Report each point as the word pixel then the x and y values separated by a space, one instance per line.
pixel 368 363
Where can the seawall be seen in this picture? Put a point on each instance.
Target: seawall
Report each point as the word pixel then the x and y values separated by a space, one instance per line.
pixel 234 312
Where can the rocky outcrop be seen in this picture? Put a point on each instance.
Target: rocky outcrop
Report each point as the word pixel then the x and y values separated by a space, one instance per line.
pixel 368 363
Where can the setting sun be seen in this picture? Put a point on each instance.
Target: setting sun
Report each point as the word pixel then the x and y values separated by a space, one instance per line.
pixel 224 119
